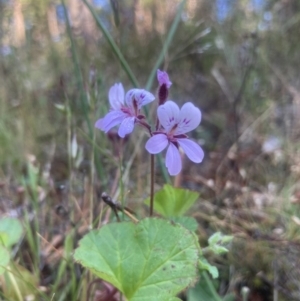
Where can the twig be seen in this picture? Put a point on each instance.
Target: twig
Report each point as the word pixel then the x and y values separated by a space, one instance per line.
pixel 115 206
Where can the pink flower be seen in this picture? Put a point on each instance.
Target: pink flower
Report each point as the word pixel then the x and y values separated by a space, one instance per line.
pixel 163 78
pixel 124 114
pixel 176 123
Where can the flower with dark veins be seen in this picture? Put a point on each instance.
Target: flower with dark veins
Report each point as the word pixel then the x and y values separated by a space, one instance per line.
pixel 176 123
pixel 126 114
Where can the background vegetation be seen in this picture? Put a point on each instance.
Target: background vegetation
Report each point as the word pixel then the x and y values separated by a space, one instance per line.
pixel 236 60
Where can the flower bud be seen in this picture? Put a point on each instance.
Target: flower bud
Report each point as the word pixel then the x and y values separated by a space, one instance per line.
pixel 164 85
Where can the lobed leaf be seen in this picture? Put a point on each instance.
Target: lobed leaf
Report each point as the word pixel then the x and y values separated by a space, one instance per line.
pixel 186 221
pixel 151 260
pixel 171 201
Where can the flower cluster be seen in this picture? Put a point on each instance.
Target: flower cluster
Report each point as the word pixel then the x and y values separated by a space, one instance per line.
pixel 171 126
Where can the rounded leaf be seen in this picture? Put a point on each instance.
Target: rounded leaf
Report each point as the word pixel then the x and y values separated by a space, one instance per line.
pixel 151 260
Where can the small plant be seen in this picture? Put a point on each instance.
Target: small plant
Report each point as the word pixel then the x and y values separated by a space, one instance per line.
pixel 10 233
pixel 17 282
pixel 154 258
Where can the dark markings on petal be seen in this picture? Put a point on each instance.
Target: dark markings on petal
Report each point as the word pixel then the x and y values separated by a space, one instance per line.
pixel 135 106
pixel 180 136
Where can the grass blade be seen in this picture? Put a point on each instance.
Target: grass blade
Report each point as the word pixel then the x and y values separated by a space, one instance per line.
pixel 113 45
pixel 83 96
pixel 78 73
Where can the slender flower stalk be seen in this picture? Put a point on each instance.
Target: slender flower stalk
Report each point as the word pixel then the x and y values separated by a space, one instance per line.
pixel 152 170
pixel 163 92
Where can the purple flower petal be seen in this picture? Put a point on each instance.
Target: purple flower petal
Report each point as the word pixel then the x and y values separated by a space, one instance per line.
pixel 144 97
pixel 157 143
pixel 173 160
pixel 190 117
pixel 110 120
pixel 168 115
pixel 192 149
pixel 116 96
pixel 163 78
pixel 137 98
pixel 126 126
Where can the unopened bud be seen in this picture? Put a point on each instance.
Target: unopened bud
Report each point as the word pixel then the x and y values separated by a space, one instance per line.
pixel 162 94
pixel 164 85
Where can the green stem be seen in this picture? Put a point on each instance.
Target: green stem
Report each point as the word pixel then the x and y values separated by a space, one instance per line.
pixel 211 287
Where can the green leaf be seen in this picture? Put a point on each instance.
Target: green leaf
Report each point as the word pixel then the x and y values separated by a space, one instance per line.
pixel 229 297
pixel 219 238
pixel 226 239
pixel 4 239
pixel 215 242
pixel 18 283
pixel 4 259
pixel 186 221
pixel 171 201
pixel 215 238
pixel 204 265
pixel 218 249
pixel 151 260
pixel 12 229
